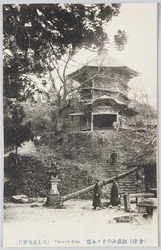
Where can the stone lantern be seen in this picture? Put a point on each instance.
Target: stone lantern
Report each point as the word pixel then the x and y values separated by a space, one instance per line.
pixel 53 197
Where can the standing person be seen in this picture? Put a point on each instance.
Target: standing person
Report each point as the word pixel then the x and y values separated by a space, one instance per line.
pixel 96 195
pixel 115 200
pixel 115 126
pixel 113 156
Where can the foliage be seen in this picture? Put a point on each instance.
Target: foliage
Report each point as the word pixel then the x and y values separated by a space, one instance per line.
pixel 15 132
pixel 39 114
pixel 25 175
pixel 37 36
pixel 147 115
pixel 34 27
pixel 28 175
pixel 120 39
pixel 139 124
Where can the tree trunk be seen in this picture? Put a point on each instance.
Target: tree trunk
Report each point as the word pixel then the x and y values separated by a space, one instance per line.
pixel 103 183
pixel 58 117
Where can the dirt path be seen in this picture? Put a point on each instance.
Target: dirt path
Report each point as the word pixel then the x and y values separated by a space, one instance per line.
pixel 76 225
pixel 26 148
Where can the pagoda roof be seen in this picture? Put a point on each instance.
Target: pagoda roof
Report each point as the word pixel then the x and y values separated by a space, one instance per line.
pixel 107 61
pixel 104 60
pixel 107 98
pixel 116 90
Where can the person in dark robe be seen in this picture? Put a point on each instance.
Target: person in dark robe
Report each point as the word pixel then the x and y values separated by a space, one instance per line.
pixel 113 156
pixel 115 200
pixel 96 196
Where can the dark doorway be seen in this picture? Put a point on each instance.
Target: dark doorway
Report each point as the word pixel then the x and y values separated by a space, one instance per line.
pixel 150 177
pixel 104 120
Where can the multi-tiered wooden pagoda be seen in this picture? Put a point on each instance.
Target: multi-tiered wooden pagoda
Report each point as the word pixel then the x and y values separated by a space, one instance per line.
pixel 103 93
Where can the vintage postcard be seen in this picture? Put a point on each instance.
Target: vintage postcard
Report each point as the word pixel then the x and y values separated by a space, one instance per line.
pixel 80 125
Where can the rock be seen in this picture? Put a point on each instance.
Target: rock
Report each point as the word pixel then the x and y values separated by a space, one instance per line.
pixel 34 205
pixel 119 207
pixel 19 199
pixel 123 219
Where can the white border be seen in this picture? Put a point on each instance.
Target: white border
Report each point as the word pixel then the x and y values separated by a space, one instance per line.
pixel 1 103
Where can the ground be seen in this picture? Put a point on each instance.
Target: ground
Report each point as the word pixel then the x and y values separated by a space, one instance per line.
pixel 77 224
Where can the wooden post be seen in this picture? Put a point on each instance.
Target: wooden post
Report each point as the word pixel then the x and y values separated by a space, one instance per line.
pixel 87 122
pixel 91 121
pixel 117 117
pixel 127 202
pixel 92 89
pixel 92 94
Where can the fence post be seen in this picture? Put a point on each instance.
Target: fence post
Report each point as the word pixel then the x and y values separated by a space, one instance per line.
pixel 127 202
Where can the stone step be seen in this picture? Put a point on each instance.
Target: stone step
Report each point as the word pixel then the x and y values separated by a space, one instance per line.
pixel 113 169
pixel 102 165
pixel 126 187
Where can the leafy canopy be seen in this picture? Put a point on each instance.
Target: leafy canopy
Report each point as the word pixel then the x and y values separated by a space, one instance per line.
pixel 33 32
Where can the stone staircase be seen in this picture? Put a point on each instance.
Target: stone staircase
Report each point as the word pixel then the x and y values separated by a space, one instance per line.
pixel 95 149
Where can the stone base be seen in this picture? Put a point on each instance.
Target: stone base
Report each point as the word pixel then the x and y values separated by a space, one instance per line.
pixel 54 201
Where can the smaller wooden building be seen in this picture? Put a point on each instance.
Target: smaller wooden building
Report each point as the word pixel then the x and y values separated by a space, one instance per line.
pixel 147 160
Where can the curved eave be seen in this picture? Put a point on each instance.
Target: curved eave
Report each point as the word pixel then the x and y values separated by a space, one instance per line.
pixel 77 74
pixel 131 71
pixel 107 99
pixel 125 68
pixel 116 90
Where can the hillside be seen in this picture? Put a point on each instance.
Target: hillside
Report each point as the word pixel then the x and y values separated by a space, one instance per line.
pixel 81 156
pixel 29 176
pixel 91 152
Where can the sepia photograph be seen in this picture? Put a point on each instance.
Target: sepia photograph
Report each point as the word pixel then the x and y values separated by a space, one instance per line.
pixel 80 125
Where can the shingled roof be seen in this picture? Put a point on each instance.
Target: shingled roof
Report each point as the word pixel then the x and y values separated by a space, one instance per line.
pixel 145 157
pixel 104 60
pixel 107 61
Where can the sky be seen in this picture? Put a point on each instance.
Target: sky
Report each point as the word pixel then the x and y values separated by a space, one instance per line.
pixel 139 20
pixel 140 53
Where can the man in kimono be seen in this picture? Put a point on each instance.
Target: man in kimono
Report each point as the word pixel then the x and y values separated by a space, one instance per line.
pixel 96 195
pixel 115 200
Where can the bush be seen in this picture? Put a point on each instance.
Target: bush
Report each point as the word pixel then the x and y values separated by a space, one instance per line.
pixel 27 175
pixel 139 124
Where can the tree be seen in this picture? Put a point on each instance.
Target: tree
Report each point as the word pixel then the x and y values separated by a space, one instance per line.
pixel 15 132
pixel 147 115
pixel 120 39
pixel 37 36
